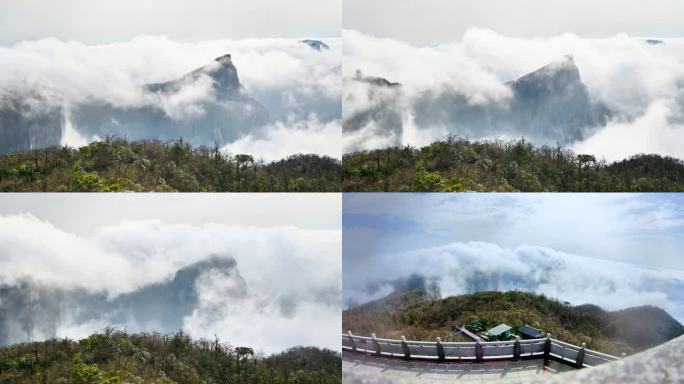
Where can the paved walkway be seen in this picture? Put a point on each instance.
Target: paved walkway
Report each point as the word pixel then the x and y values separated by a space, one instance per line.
pixel 367 369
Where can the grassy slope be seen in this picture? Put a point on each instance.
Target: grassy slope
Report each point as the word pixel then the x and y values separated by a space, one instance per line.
pixel 460 165
pixel 418 317
pixel 114 357
pixel 119 165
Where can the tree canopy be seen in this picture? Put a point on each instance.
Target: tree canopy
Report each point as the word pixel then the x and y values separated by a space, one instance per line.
pixel 457 164
pixel 115 164
pixel 116 357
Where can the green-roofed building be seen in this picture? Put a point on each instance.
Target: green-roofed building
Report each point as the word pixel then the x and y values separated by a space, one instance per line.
pixel 501 332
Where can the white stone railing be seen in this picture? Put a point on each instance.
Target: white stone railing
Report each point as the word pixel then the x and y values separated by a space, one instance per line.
pixel 546 348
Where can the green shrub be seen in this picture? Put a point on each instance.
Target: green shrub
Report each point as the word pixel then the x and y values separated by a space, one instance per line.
pixel 85 374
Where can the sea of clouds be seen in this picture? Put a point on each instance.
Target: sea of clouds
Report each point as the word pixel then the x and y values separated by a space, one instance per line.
pixel 300 87
pixel 68 285
pixel 468 267
pixel 642 84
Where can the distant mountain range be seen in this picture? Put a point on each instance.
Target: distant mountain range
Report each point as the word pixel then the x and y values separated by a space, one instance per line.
pixel 548 105
pixel 419 315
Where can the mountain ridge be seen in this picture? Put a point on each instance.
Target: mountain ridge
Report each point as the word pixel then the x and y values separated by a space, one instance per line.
pixel 416 315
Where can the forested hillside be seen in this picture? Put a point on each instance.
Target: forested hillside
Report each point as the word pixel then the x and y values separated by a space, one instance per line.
pixel 417 316
pixel 114 357
pixel 455 165
pixel 119 165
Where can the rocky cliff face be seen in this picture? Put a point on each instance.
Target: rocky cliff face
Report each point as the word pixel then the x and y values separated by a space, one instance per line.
pixel 552 102
pixel 225 114
pixel 28 122
pixel 382 112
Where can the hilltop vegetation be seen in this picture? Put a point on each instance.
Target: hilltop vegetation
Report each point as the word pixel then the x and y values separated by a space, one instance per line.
pixel 455 165
pixel 417 316
pixel 113 165
pixel 114 357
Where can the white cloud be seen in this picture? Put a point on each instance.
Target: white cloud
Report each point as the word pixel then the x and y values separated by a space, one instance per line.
pixel 129 256
pixel 652 132
pixel 70 136
pixel 265 326
pixel 642 229
pixel 635 80
pixel 476 266
pixel 367 138
pixel 116 72
pixel 422 68
pixel 284 139
pixel 186 103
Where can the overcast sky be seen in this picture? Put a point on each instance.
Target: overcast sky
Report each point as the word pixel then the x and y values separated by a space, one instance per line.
pixel 85 213
pixel 613 250
pixel 427 22
pixel 98 22
pixel 210 264
pixel 643 229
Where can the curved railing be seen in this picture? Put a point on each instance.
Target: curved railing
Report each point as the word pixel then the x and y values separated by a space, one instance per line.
pixel 546 348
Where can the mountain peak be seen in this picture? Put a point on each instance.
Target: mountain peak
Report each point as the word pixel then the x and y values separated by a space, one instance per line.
pixel 224 75
pixel 224 59
pixel 315 44
pixel 554 77
pixel 374 80
pixel 226 81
